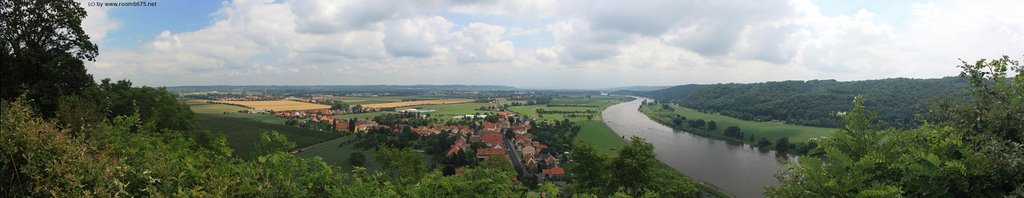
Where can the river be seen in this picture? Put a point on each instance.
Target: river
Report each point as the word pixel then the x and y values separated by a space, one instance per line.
pixel 737 169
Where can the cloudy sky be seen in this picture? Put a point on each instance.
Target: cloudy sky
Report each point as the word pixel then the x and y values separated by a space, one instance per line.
pixel 545 43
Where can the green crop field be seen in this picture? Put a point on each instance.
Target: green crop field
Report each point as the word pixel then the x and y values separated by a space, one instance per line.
pixel 596 133
pixel 337 156
pixel 362 116
pixel 243 133
pixel 215 108
pixel 337 151
pixel 770 130
pixel 381 99
pixel 449 110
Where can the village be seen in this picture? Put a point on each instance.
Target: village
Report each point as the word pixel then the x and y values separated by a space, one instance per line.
pixel 495 134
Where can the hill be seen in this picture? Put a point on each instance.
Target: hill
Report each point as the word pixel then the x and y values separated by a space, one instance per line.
pixel 897 101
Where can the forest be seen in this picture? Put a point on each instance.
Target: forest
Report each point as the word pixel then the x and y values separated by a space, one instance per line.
pixel 897 101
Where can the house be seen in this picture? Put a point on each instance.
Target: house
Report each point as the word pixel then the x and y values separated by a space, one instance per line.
pixel 550 160
pixel 341 126
pixel 490 126
pixel 424 131
pixel 492 140
pixel 521 129
pixel 531 163
pixel 485 153
pixel 553 172
pixel 502 123
pixel 528 151
pixel 490 131
pixel 506 113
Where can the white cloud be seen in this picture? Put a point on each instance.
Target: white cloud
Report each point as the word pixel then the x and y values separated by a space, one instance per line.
pixel 98 23
pixel 594 43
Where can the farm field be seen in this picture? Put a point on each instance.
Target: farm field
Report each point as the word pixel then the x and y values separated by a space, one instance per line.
pixel 418 102
pixel 277 105
pixel 449 110
pixel 337 156
pixel 770 130
pixel 600 136
pixel 597 104
pixel 361 100
pixel 364 116
pixel 337 151
pixel 215 108
pixel 224 110
pixel 243 133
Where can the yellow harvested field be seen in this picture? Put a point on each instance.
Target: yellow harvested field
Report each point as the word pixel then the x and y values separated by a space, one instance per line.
pixel 277 105
pixel 420 102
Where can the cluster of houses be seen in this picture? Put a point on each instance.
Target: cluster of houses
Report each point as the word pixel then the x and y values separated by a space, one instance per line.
pixel 529 152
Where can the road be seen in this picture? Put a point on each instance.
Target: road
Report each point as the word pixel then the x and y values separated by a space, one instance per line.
pixel 514 156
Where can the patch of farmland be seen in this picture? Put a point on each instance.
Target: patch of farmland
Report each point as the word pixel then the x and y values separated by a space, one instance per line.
pixel 419 102
pixel 277 105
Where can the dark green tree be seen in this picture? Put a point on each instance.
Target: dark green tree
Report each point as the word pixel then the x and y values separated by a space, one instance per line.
pixel 356 159
pixel 43 50
pixel 633 169
pixel 589 170
pixel 782 144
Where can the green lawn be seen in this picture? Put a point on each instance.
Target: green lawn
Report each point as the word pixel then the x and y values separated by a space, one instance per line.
pixel 770 130
pixel 596 133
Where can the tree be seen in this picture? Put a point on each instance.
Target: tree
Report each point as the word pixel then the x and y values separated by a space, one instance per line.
pixel 763 142
pixel 402 165
pixel 589 170
pixel 712 125
pixel 272 142
pixel 633 169
pixel 782 145
pixel 356 159
pixel 967 149
pixel 43 48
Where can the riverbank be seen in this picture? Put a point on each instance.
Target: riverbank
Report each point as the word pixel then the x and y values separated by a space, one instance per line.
pixel 750 132
pixel 607 142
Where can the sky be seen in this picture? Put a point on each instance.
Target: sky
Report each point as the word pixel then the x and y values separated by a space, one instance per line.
pixel 564 44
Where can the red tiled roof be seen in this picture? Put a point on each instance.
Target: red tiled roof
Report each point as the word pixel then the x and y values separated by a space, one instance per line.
pixel 490 125
pixel 490 151
pixel 554 171
pixel 494 139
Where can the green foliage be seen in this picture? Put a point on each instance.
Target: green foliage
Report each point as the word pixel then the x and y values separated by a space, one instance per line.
pixel 633 168
pixel 272 142
pixel 811 103
pixel 973 149
pixel 356 159
pixel 402 165
pixel 635 172
pixel 43 45
pixel 589 170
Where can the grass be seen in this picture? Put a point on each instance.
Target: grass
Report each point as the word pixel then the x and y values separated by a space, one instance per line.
pixel 598 134
pixel 333 154
pixel 770 130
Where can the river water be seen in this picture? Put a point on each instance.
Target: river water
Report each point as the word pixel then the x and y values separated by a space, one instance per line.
pixel 737 169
